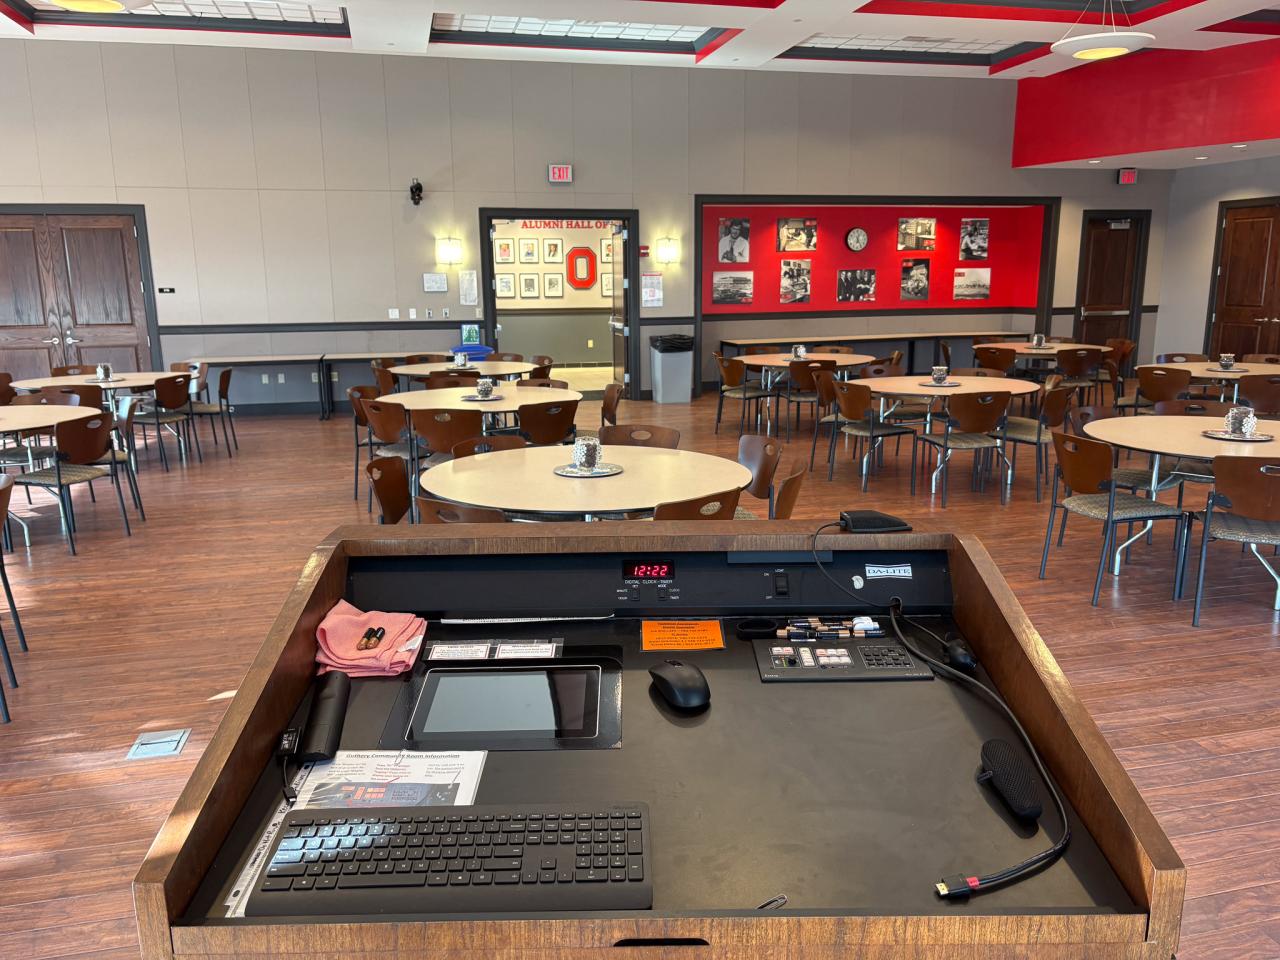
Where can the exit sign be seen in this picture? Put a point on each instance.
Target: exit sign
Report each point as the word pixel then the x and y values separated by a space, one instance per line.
pixel 560 173
pixel 1127 176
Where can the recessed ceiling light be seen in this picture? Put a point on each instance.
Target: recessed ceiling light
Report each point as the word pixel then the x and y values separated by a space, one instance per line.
pixel 1200 158
pixel 1095 161
pixel 1239 146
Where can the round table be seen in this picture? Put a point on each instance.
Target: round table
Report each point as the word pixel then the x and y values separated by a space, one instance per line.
pixel 509 398
pixel 41 416
pixel 485 368
pixel 919 386
pixel 1180 437
pixel 522 481
pixel 143 380
pixel 1209 370
pixel 1048 351
pixel 784 360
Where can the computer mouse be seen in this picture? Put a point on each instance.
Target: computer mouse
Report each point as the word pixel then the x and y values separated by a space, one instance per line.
pixel 681 684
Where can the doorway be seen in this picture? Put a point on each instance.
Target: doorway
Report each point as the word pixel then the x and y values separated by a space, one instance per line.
pixel 1244 306
pixel 74 288
pixel 1112 275
pixel 558 283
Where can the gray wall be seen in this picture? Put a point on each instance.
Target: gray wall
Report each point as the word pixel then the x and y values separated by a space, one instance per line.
pixel 560 335
pixel 1193 208
pixel 275 182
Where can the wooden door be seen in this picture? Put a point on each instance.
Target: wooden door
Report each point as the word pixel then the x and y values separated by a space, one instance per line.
pixel 100 293
pixel 1106 290
pixel 30 328
pixel 619 321
pixel 1246 309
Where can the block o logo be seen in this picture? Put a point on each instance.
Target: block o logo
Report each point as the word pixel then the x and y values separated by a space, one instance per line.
pixel 580 268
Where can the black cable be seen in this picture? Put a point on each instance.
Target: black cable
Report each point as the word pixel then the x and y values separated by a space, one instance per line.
pixel 823 569
pixel 971 885
pixel 290 794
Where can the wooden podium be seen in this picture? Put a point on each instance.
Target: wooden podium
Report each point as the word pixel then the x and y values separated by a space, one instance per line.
pixel 1088 772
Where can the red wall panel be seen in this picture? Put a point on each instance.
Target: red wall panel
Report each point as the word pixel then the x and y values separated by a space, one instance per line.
pixel 1013 256
pixel 1154 100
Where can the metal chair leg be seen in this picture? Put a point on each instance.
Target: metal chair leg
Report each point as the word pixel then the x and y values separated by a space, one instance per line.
pixel 1102 561
pixel 13 607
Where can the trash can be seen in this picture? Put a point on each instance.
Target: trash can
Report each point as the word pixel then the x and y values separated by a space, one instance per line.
pixel 474 351
pixel 671 366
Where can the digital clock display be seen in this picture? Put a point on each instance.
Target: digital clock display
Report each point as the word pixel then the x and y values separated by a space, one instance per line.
pixel 648 570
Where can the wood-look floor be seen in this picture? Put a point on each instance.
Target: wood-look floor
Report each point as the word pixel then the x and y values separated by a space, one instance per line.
pixel 154 632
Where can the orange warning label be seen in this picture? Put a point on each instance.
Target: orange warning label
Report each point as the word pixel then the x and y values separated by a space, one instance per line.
pixel 682 635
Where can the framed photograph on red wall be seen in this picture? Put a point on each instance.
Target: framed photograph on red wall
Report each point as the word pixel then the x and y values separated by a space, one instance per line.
pixel 797 233
pixel 734 240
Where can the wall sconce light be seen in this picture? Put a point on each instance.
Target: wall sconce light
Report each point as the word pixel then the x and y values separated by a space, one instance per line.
pixel 668 250
pixel 448 250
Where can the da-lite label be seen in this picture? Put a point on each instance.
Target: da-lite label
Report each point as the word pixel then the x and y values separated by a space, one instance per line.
pixel 899 571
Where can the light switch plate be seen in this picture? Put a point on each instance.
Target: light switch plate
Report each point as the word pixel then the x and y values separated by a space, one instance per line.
pixel 444 313
pixel 393 313
pixel 413 313
pixel 279 378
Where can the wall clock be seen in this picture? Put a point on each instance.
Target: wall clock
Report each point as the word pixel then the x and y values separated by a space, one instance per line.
pixel 856 239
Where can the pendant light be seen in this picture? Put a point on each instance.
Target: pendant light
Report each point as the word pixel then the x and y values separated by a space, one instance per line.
pixel 1104 44
pixel 89 6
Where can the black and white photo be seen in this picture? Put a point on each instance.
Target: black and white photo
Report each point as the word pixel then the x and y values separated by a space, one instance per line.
pixel 855 286
pixel 794 287
pixel 974 234
pixel 797 233
pixel 732 286
pixel 606 250
pixel 972 283
pixel 504 286
pixel 735 240
pixel 553 284
pixel 917 233
pixel 552 250
pixel 529 286
pixel 915 279
pixel 528 250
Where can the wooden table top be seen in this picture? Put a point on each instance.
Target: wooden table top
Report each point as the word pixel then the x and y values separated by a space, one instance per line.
pixel 41 416
pixel 264 358
pixel 510 398
pixel 144 379
pixel 1209 369
pixel 784 360
pixel 523 481
pixel 919 386
pixel 867 337
pixel 1022 347
pixel 486 368
pixel 1181 436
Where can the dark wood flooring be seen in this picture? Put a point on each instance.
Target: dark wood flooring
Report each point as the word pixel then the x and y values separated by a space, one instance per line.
pixel 155 632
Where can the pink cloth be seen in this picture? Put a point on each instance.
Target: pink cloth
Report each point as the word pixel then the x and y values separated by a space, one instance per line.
pixel 339 636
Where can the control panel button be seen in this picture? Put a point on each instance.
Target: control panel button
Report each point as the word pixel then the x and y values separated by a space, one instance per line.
pixel 781 586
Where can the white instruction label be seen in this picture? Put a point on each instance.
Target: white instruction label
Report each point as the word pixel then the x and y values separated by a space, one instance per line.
pixel 459 651
pixel 521 651
pixel 901 571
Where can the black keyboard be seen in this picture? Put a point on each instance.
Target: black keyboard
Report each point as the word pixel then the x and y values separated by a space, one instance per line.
pixel 480 859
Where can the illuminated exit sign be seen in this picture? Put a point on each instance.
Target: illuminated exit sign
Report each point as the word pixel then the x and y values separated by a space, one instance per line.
pixel 560 173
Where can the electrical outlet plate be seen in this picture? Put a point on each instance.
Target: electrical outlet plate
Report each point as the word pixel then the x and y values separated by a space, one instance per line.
pixel 445 313
pixel 315 377
pixel 393 313
pixel 158 743
pixel 279 378
pixel 413 313
pixel 266 378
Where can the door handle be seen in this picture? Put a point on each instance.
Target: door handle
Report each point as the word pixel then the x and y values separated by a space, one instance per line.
pixel 52 340
pixel 71 339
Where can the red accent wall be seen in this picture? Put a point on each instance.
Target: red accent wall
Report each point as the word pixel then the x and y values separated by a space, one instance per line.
pixel 1013 256
pixel 1155 100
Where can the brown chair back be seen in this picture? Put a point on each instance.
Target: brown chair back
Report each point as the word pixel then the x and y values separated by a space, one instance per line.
pixel 545 423
pixel 198 371
pixel 487 444
pixel 732 370
pixel 441 511
pixel 126 408
pixel 428 358
pixel 1085 463
pixel 173 393
pixel 853 399
pixel 79 370
pixel 543 382
pixel 1060 339
pixel 356 396
pixel 997 338
pixel 995 358
pixel 542 360
pixel 389 478
pixel 823 380
pixel 540 373
pixel 1078 417
pixel 439 430
pixel 718 506
pixel 508 357
pixel 1181 358
pixel 832 349
pixel 978 372
pixel 1079 362
pixel 1121 350
pixel 1192 408
pixel 88 394
pixel 1248 486
pixel 640 435
pixel 1051 382
pixel 894 359
pixel 446 381
pixel 977 412
pixel 391 361
pixel 83 441
pixel 1261 358
pixel 760 455
pixel 7 393
pixel 385 419
pixel 1053 408
pixel 609 405
pixel 6 493
pixel 801 373
pixel 872 370
pixel 788 492
pixel 224 383
pixel 1262 391
pixel 1163 383
pixel 46 395
pixel 945 349
pixel 761 349
pixel 385 379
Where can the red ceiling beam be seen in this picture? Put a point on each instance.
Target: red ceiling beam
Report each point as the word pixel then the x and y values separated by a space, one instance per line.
pixel 1012 11
pixel 17 16
pixel 1154 100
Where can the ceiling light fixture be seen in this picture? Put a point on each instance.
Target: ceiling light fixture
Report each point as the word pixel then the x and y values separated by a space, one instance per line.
pixel 1095 161
pixel 1200 158
pixel 90 6
pixel 1106 43
pixel 1239 146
